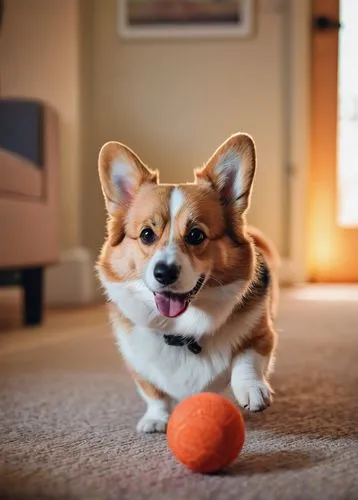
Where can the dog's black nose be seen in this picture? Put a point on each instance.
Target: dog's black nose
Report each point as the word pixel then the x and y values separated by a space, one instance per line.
pixel 166 274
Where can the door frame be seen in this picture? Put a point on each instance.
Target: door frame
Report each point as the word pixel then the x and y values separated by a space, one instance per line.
pixel 297 80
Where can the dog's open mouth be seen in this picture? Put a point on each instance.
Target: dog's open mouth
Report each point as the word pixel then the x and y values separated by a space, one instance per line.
pixel 171 304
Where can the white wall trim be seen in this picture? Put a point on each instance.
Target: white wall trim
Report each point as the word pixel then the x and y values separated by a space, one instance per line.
pixel 300 20
pixel 288 273
pixel 72 281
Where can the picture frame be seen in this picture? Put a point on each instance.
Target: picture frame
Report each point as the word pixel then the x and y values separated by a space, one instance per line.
pixel 163 19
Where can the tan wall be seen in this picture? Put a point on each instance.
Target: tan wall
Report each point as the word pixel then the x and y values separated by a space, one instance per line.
pixel 175 101
pixel 172 101
pixel 39 47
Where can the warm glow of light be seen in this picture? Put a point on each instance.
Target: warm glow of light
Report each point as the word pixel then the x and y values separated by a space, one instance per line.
pixel 322 250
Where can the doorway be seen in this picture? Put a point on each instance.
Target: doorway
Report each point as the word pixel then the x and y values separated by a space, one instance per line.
pixel 333 187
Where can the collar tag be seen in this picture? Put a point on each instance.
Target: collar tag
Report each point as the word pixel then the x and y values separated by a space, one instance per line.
pixel 180 340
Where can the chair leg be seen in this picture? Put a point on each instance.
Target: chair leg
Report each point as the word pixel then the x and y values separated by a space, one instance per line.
pixel 32 283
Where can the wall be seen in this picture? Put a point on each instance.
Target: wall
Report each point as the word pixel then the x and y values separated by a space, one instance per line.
pixel 40 50
pixel 175 101
pixel 172 101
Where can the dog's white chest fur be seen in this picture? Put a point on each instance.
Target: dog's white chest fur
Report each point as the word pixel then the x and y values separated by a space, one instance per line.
pixel 173 369
pixel 177 371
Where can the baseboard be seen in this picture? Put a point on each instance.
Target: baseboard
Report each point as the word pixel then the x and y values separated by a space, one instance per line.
pixel 72 281
pixel 289 274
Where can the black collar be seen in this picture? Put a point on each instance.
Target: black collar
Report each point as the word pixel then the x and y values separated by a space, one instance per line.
pixel 180 340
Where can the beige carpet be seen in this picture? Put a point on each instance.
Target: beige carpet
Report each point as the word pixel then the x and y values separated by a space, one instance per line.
pixel 68 414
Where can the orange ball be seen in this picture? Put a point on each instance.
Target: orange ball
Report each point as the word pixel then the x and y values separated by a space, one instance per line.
pixel 206 432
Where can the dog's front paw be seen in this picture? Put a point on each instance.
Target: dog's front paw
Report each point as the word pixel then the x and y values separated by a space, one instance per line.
pixel 151 423
pixel 253 395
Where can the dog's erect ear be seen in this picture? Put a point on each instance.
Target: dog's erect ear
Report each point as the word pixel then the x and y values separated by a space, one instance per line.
pixel 231 171
pixel 121 173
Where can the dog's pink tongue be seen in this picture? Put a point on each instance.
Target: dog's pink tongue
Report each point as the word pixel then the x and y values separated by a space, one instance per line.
pixel 169 306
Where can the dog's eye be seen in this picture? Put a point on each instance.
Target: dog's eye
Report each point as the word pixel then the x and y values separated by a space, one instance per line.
pixel 148 236
pixel 195 237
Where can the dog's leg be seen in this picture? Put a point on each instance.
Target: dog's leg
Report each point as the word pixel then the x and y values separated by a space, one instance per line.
pixel 156 417
pixel 250 368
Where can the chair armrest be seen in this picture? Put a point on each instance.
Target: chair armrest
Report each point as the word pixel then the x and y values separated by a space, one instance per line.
pixel 19 176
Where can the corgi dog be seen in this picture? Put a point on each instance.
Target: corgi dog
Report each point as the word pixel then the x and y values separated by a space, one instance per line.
pixel 192 288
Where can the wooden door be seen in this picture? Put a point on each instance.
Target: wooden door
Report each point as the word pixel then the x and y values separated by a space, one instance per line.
pixel 333 183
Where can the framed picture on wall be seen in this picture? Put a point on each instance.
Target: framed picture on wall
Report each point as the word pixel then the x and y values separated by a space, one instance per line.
pixel 185 18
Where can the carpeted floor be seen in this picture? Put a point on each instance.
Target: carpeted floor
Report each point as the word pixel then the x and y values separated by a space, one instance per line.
pixel 68 412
